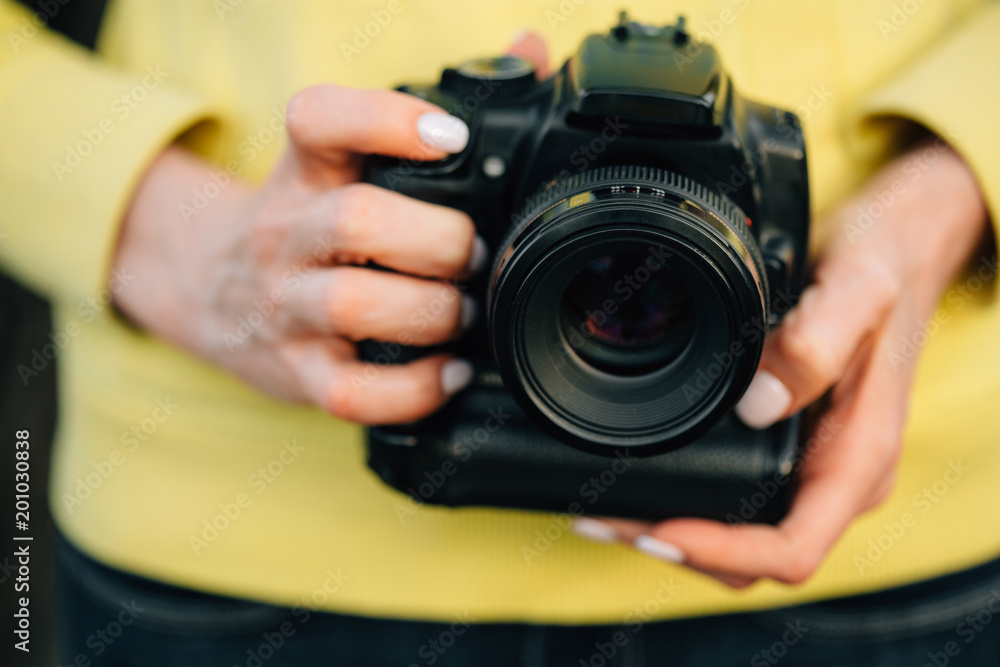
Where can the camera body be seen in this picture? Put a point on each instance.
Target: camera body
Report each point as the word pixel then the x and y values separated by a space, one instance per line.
pixel 649 225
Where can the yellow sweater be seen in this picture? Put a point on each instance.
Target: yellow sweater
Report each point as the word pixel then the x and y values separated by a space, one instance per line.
pixel 170 468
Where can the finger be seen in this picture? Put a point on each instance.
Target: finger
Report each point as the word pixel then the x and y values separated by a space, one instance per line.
pixel 358 304
pixel 812 348
pixel 881 492
pixel 737 583
pixel 360 222
pixel 327 124
pixel 529 45
pixel 609 529
pixel 394 393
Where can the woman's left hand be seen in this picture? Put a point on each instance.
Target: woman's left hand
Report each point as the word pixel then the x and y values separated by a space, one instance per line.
pixel 894 249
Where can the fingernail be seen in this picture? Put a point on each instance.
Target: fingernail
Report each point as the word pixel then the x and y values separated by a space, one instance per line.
pixel 480 253
pixel 455 376
pixel 766 400
pixel 593 530
pixel 442 131
pixel 657 549
pixel 468 313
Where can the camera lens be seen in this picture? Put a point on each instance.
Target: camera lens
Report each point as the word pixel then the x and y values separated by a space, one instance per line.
pixel 627 309
pixel 634 314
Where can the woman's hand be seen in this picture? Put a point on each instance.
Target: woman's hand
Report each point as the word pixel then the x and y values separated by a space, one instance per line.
pixel 270 283
pixel 876 283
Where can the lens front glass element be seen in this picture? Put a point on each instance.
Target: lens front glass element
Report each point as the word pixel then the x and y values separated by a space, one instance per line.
pixel 618 307
pixel 631 312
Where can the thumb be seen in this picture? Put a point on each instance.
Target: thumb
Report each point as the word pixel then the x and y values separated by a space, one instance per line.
pixel 812 349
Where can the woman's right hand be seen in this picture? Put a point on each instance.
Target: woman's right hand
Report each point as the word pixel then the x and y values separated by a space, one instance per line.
pixel 270 283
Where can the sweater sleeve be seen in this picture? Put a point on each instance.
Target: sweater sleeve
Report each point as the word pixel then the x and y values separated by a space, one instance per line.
pixel 953 91
pixel 75 138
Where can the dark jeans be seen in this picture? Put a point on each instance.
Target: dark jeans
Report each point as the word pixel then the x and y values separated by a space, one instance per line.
pixel 112 618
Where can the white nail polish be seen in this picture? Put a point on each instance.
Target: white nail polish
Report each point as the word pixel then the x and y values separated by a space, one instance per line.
pixel 456 376
pixel 480 253
pixel 657 549
pixel 766 401
pixel 468 312
pixel 442 131
pixel 594 530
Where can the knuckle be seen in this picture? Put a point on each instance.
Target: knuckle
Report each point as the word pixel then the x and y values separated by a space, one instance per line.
pixel 814 359
pixel 353 208
pixel 269 232
pixel 426 384
pixel 879 280
pixel 466 235
pixel 306 110
pixel 886 448
pixel 879 496
pixel 456 237
pixel 799 567
pixel 345 301
pixel 444 311
pixel 341 400
pixel 299 113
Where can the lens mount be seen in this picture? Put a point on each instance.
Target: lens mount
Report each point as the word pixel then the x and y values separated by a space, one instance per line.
pixel 626 309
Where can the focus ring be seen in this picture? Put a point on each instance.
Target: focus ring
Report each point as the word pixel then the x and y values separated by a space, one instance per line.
pixel 555 191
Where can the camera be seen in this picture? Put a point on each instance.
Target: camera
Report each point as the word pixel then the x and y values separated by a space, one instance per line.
pixel 649 226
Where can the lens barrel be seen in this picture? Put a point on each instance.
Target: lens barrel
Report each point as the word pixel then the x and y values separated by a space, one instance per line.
pixel 626 309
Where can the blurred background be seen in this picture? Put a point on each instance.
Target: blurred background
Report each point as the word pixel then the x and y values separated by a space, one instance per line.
pixel 25 324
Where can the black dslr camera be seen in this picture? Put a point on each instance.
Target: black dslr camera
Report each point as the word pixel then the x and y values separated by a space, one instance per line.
pixel 649 226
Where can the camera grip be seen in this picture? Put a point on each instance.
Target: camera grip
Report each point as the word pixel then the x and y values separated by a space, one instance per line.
pixel 483 451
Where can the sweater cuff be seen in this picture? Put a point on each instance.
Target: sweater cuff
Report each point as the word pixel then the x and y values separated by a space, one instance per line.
pixel 953 91
pixel 77 136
